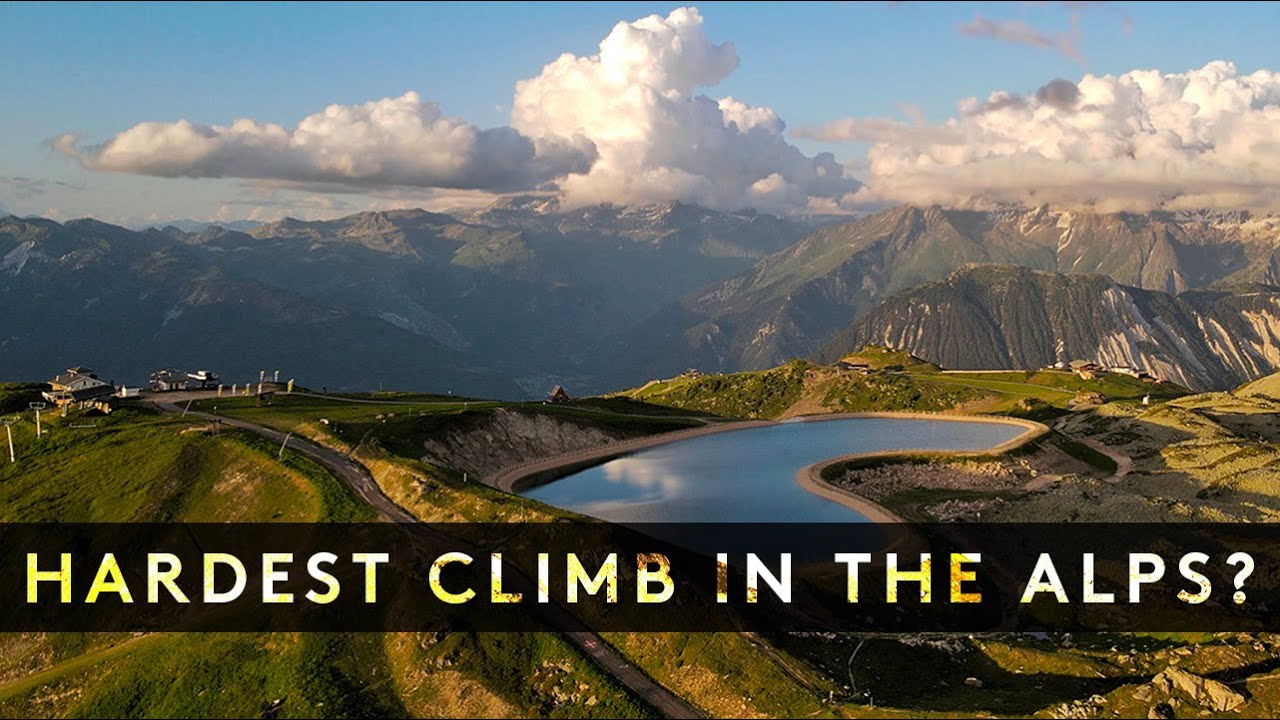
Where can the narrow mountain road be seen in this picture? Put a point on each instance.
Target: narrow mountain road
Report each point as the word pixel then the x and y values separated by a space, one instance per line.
pixel 358 478
pixel 436 400
pixel 349 471
pixel 1124 463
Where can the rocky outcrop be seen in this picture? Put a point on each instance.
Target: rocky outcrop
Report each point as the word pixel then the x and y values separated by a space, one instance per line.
pixel 1201 692
pixel 1172 693
pixel 480 444
pixel 1001 316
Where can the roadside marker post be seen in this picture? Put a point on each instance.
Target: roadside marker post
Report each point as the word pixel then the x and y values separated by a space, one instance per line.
pixel 286 442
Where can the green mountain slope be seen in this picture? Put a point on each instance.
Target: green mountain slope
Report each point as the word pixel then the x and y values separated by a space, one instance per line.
pixel 894 381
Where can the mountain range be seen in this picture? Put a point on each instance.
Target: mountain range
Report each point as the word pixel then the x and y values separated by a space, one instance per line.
pixel 195 226
pixel 792 303
pixel 509 299
pixel 504 301
pixel 1008 317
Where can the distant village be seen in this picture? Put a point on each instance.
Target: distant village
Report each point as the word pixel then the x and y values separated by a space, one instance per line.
pixel 80 387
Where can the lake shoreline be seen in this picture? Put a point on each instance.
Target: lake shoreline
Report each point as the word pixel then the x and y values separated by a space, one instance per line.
pixel 810 477
pixel 517 478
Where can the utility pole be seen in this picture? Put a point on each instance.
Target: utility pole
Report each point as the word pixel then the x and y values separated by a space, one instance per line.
pixel 37 406
pixel 8 430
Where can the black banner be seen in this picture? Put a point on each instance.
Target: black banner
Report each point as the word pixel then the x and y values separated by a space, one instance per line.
pixel 689 577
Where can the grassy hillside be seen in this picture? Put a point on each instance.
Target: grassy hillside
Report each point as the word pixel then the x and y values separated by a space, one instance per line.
pixel 722 673
pixel 15 396
pixel 1268 387
pixel 897 381
pixel 389 438
pixel 137 465
pixel 1209 457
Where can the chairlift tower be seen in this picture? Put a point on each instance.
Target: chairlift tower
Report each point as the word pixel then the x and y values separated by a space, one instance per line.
pixel 8 430
pixel 37 406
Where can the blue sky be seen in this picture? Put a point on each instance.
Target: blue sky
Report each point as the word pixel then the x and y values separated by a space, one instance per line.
pixel 97 69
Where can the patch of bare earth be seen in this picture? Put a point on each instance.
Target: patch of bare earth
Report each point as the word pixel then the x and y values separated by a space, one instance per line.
pixel 1002 477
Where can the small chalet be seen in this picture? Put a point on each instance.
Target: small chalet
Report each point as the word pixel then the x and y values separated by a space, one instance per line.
pixel 558 395
pixel 1087 370
pixel 202 380
pixel 169 379
pixel 860 368
pixel 81 386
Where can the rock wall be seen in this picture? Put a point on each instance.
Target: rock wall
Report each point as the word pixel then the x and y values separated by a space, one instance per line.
pixel 480 444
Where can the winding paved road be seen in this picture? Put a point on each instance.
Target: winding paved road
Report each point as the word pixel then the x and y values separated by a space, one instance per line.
pixel 358 478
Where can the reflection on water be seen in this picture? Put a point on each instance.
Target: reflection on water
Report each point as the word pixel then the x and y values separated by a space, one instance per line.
pixel 643 475
pixel 749 475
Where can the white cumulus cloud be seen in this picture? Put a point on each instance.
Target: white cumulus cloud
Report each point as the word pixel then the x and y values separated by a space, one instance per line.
pixel 626 126
pixel 1206 138
pixel 402 141
pixel 656 137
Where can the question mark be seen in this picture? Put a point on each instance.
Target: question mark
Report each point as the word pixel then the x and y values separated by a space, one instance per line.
pixel 1245 560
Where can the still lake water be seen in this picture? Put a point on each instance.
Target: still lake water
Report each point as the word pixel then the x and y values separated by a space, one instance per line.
pixel 750 475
